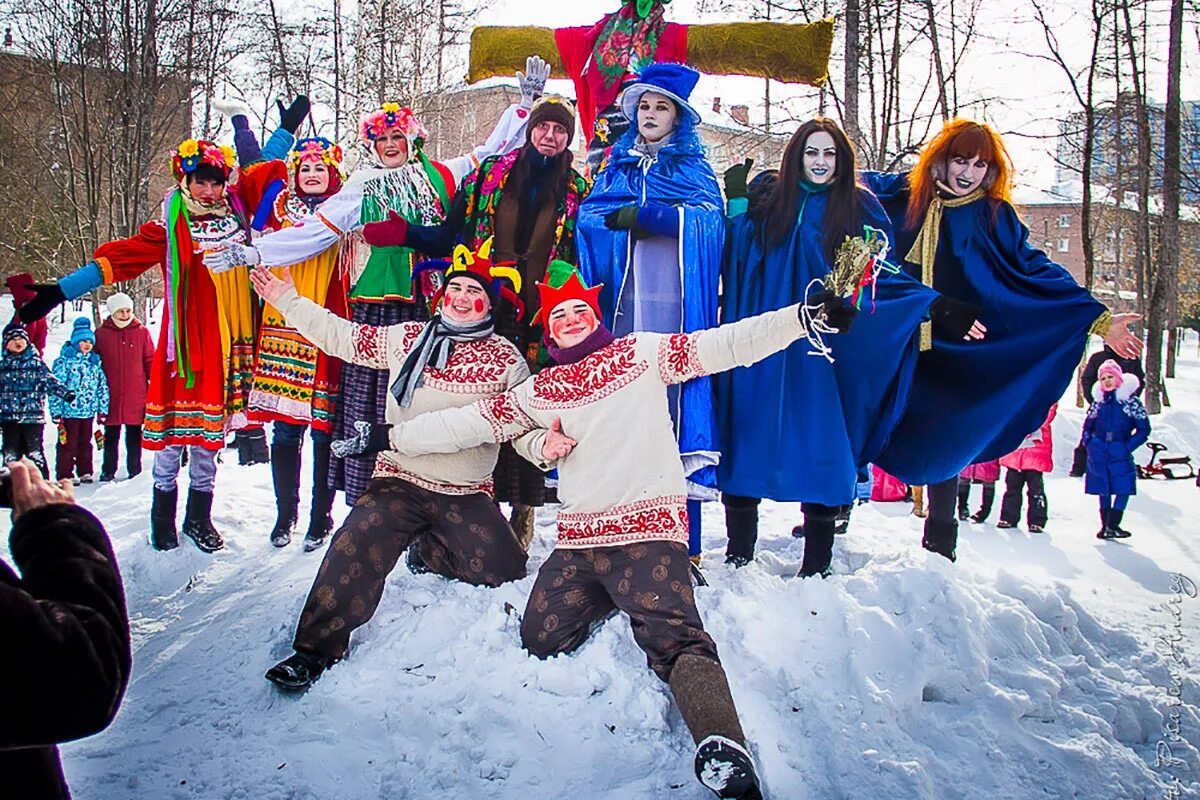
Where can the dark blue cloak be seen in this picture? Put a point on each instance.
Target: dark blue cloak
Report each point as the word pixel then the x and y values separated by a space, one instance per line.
pixel 793 426
pixel 976 401
pixel 682 178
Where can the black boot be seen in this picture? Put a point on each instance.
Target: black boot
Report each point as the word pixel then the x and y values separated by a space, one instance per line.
pixel 841 523
pixel 741 526
pixel 197 522
pixel 163 535
pixel 964 495
pixel 285 474
pixel 297 672
pixel 1115 516
pixel 725 766
pixel 941 537
pixel 1106 529
pixel 320 522
pixel 252 446
pixel 818 545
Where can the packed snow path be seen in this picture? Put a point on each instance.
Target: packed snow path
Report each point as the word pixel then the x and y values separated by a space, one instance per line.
pixel 1040 665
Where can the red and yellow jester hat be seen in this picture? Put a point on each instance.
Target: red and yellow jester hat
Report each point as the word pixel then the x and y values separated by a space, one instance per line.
pixel 564 283
pixel 191 153
pixel 479 267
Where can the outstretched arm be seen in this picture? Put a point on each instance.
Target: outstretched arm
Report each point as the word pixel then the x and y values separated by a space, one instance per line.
pixel 489 421
pixel 684 356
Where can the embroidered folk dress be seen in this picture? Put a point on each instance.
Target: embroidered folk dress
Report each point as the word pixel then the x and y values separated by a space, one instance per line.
pixel 382 292
pixel 623 482
pixel 293 380
pixel 200 378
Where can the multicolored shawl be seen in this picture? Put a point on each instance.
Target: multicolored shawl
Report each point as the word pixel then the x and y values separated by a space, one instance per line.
pixel 628 41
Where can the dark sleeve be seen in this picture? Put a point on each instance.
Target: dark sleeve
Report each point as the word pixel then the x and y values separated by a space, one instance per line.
pixel 64 627
pixel 1091 373
pixel 437 241
pixel 1141 424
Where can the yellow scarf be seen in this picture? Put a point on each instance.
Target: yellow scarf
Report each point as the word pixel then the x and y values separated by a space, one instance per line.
pixel 924 248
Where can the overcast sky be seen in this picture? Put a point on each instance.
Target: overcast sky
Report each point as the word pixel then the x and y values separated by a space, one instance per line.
pixel 1029 94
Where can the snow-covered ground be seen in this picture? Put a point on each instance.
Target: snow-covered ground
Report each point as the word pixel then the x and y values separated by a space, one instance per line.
pixel 1045 665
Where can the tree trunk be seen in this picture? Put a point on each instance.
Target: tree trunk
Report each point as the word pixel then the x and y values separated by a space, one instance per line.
pixel 850 84
pixel 1168 241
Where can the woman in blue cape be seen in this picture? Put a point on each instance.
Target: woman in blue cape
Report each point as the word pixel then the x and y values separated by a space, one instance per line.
pixel 652 231
pixel 795 427
pixel 977 400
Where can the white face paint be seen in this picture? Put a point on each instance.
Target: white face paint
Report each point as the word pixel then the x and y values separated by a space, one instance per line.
pixel 392 148
pixel 965 175
pixel 657 115
pixel 465 301
pixel 820 158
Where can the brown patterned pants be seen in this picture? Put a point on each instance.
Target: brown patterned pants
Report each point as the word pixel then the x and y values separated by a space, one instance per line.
pixel 651 582
pixel 460 536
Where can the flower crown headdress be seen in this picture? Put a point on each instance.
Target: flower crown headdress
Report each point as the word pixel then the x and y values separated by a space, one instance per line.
pixel 316 148
pixel 392 115
pixel 191 153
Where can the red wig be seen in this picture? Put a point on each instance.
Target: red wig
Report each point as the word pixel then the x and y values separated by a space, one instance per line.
pixel 958 138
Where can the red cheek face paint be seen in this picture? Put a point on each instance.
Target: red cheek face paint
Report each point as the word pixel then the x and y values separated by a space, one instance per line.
pixel 478 306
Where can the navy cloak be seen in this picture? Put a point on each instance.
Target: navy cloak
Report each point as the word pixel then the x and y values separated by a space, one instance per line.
pixel 685 269
pixel 793 426
pixel 977 401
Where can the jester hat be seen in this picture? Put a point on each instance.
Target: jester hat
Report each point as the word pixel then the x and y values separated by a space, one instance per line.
pixel 192 153
pixel 563 283
pixel 478 267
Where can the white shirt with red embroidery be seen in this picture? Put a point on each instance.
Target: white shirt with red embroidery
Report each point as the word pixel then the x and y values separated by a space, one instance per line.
pixel 623 482
pixel 475 370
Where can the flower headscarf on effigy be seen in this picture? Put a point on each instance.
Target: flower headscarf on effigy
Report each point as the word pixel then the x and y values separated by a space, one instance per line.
pixel 317 149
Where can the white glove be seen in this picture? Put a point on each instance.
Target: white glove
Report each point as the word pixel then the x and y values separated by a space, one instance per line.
pixel 230 256
pixel 533 80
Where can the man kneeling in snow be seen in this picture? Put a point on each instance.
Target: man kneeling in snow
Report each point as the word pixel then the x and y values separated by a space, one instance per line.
pixel 441 505
pixel 601 417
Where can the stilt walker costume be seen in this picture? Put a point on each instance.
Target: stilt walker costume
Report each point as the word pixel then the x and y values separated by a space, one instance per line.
pixel 295 384
pixel 401 179
pixel 977 400
pixel 623 526
pixel 652 231
pixel 526 201
pixel 201 376
pixel 796 426
pixel 440 505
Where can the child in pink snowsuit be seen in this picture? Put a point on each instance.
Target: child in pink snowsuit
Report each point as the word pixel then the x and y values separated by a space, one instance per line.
pixel 1026 465
pixel 985 473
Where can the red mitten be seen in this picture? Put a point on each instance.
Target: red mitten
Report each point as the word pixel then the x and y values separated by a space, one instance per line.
pixel 391 232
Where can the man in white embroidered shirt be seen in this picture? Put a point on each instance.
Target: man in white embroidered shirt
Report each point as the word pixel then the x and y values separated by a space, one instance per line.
pixel 601 418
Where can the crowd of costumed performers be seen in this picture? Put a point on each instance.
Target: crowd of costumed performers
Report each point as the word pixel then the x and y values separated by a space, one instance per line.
pixel 452 332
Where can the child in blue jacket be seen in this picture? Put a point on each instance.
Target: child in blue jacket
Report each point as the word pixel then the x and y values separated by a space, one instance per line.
pixel 24 381
pixel 1115 426
pixel 78 368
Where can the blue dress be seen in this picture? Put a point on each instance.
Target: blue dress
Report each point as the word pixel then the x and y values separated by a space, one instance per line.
pixel 664 284
pixel 977 401
pixel 793 426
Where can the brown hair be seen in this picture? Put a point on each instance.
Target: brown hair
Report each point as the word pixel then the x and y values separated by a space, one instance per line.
pixel 958 138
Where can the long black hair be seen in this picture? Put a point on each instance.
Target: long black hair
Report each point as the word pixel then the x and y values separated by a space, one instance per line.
pixel 775 205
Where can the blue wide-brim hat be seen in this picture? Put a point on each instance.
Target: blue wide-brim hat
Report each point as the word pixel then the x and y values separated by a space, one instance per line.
pixel 676 81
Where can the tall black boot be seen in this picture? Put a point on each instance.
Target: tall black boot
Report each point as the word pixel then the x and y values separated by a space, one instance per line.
pixel 1115 516
pixel 285 474
pixel 252 446
pixel 819 528
pixel 722 762
pixel 197 522
pixel 320 522
pixel 964 496
pixel 163 535
pixel 1106 529
pixel 941 537
pixel 741 526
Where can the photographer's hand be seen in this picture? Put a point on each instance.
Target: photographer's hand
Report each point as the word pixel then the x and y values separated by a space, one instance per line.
pixel 30 490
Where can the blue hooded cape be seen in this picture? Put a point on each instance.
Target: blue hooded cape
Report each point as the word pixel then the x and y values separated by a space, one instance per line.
pixel 682 178
pixel 976 401
pixel 793 426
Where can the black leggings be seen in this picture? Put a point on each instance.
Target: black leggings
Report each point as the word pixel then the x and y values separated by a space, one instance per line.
pixel 942 498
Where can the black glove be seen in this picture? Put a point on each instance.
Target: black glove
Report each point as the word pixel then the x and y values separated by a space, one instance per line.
pixel 832 309
pixel 736 177
pixel 49 297
pixel 953 317
pixel 623 218
pixel 69 396
pixel 291 117
pixel 368 438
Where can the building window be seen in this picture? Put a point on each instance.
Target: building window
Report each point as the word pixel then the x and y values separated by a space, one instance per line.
pixel 1064 245
pixel 1064 220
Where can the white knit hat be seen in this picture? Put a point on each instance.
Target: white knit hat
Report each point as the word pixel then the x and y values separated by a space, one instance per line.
pixel 118 301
